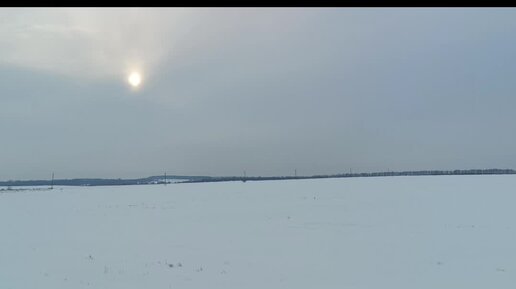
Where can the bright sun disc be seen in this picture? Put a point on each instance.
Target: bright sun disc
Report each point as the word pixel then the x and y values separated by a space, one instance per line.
pixel 135 79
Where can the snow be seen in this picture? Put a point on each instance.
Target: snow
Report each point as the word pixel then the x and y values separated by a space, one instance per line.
pixel 167 180
pixel 382 232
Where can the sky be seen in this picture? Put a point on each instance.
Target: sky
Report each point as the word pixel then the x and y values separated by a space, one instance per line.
pixel 265 90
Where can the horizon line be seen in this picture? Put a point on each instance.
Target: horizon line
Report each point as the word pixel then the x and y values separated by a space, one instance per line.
pixel 204 178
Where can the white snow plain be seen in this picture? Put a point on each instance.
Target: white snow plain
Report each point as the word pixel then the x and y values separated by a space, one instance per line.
pixel 378 232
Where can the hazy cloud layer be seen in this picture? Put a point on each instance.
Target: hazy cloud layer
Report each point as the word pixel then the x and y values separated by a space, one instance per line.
pixel 265 90
pixel 90 42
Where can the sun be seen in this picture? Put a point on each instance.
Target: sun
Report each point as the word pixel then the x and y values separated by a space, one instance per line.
pixel 135 79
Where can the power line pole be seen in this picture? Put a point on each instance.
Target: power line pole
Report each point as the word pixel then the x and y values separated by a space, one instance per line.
pixel 52 182
pixel 165 178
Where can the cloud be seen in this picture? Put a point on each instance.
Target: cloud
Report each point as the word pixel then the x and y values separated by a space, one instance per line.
pixel 90 43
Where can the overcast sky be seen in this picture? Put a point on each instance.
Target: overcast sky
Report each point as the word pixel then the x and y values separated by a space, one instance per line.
pixel 320 90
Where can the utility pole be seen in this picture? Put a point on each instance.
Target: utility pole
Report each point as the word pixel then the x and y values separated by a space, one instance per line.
pixel 245 177
pixel 52 182
pixel 165 178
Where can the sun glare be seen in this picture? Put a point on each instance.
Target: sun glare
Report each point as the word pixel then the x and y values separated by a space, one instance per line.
pixel 135 79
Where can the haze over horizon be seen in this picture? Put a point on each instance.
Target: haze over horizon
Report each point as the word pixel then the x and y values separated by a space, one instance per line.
pixel 266 90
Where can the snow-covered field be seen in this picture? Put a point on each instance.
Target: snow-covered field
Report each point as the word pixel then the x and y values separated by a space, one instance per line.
pixel 384 232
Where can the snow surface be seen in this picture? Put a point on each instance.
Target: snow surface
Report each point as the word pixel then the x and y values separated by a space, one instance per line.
pixel 382 232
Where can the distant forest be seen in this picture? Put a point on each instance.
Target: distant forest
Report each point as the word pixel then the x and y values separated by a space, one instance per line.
pixel 197 179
